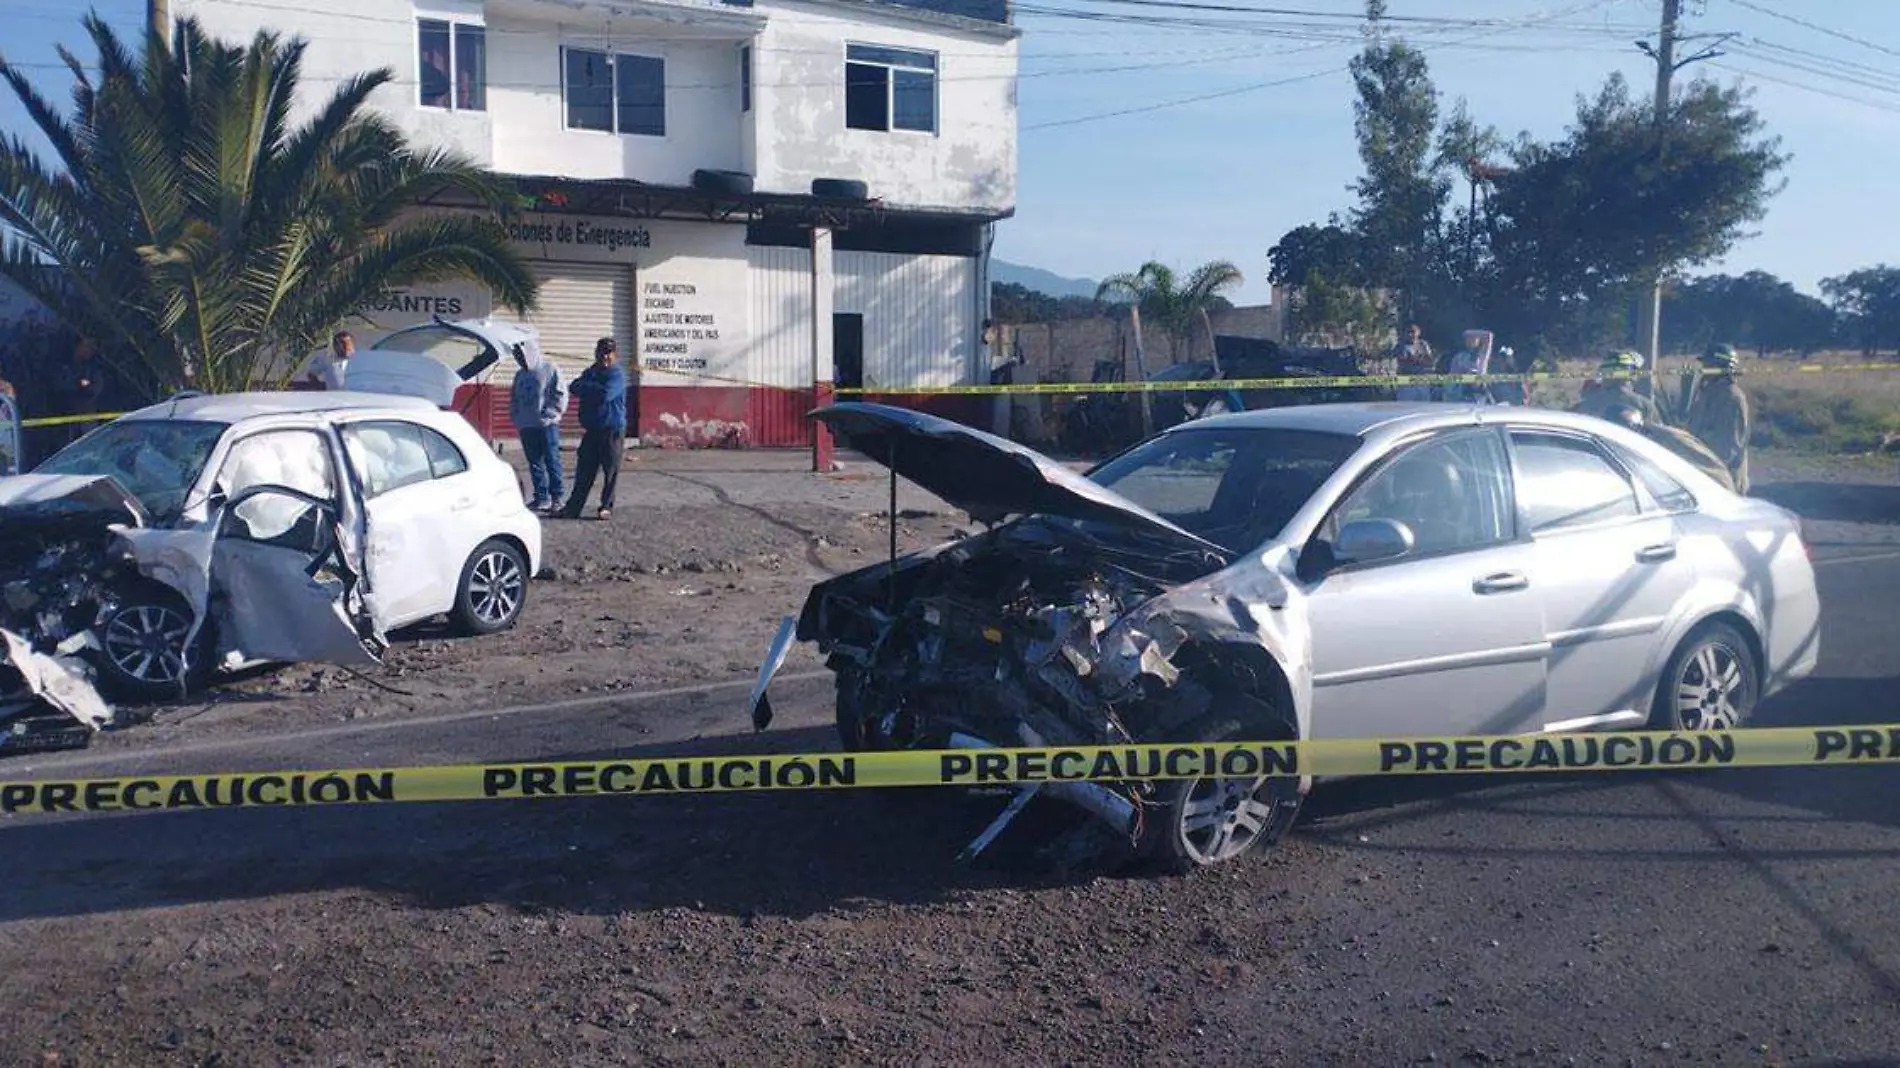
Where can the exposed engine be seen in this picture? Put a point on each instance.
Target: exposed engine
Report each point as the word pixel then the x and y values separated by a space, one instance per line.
pixel 999 637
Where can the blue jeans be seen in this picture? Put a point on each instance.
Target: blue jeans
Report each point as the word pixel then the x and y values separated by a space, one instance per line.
pixel 542 446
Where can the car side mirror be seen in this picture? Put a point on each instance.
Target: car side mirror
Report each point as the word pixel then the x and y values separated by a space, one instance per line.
pixel 1366 540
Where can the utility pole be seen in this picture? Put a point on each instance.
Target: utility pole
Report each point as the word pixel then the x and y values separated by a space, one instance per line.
pixel 158 17
pixel 1664 53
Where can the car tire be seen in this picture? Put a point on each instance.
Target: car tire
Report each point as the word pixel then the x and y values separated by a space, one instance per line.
pixel 493 589
pixel 1711 682
pixel 141 658
pixel 1183 834
pixel 840 189
pixel 723 183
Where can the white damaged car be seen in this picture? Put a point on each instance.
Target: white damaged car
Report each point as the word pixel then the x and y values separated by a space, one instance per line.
pixel 207 532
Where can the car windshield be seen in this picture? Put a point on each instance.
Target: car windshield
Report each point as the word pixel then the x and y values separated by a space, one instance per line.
pixel 1236 487
pixel 157 461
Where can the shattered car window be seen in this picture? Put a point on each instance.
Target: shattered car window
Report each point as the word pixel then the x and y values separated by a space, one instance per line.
pixel 298 459
pixel 1235 487
pixel 157 461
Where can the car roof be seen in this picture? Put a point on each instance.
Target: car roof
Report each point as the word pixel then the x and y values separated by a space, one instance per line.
pixel 237 407
pixel 1366 419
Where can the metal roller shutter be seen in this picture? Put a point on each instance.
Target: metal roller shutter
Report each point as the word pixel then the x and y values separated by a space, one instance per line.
pixel 580 304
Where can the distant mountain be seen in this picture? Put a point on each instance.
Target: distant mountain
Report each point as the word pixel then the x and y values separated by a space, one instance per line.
pixel 1040 280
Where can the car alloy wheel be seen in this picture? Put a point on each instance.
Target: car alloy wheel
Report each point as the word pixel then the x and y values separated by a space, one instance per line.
pixel 495 585
pixel 1223 818
pixel 1710 684
pixel 146 643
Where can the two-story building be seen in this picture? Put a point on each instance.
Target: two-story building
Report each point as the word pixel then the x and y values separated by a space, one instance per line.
pixel 727 188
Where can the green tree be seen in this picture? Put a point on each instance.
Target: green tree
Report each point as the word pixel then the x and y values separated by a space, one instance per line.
pixel 1753 311
pixel 1322 312
pixel 1868 301
pixel 1331 250
pixel 1174 306
pixel 1403 192
pixel 200 235
pixel 1013 303
pixel 1579 225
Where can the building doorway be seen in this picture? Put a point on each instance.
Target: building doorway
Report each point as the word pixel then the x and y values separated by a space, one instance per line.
pixel 847 350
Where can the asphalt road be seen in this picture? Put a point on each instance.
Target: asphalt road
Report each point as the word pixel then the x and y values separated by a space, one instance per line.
pixel 1707 917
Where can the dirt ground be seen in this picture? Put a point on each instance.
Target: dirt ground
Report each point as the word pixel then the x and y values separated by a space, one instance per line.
pixel 687 583
pixel 732 931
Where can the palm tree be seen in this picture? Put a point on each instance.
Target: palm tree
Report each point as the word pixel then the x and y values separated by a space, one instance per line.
pixel 196 235
pixel 1175 308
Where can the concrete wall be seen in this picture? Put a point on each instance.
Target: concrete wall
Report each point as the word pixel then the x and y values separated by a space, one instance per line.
pixel 794 132
pixel 969 163
pixel 1067 351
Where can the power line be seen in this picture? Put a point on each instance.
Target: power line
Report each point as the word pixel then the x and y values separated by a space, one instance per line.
pixel 1773 14
pixel 1805 87
pixel 1258 86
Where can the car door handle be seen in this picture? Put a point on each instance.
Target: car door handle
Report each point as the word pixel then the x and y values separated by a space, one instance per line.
pixel 1502 582
pixel 1651 554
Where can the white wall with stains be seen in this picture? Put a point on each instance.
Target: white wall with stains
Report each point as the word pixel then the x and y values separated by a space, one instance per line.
pixel 969 163
pixel 793 133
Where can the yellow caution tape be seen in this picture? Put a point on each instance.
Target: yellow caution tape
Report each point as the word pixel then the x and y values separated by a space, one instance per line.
pixel 1508 754
pixel 68 420
pixel 1335 381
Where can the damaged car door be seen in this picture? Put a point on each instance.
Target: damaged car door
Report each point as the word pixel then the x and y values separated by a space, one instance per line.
pixel 1424 615
pixel 285 567
pixel 416 506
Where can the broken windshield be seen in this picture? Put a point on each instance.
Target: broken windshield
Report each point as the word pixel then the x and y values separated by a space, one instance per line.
pixel 1236 487
pixel 157 461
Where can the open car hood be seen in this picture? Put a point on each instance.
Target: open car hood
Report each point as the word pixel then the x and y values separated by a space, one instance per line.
pixel 989 477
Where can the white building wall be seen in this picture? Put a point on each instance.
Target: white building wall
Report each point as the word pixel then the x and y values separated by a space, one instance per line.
pixel 703 127
pixel 969 163
pixel 347 38
pixel 918 316
pixel 780 306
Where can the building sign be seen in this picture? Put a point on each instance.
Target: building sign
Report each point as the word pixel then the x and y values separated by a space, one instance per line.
pixel 395 309
pixel 569 233
pixel 678 327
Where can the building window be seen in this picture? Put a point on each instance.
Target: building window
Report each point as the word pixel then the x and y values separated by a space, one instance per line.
pixel 745 78
pixel 615 93
pixel 452 65
pixel 890 89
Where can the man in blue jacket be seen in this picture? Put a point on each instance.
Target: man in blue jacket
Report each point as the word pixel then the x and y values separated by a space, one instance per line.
pixel 536 404
pixel 602 390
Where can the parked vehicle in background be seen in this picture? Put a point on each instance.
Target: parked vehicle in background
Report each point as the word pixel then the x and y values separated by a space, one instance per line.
pixel 1327 571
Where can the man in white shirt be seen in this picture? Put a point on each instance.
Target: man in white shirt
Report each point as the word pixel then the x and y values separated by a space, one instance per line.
pixel 328 369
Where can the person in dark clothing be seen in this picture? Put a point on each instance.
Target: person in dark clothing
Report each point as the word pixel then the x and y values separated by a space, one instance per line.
pixel 80 386
pixel 602 392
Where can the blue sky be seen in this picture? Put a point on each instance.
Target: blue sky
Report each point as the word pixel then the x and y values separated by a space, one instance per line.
pixel 1224 177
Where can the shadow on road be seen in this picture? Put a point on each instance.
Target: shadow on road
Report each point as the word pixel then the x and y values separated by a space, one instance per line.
pixel 743 854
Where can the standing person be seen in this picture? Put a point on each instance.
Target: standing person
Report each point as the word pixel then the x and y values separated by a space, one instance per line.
pixel 536 402
pixel 1518 393
pixel 1474 358
pixel 1719 415
pixel 80 385
pixel 330 370
pixel 1414 356
pixel 1602 395
pixel 602 390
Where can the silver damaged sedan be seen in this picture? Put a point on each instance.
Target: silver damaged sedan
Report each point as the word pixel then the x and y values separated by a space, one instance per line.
pixel 1324 571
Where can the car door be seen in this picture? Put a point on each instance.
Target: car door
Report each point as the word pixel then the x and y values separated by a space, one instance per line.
pixel 1611 574
pixel 284 570
pixel 416 505
pixel 1447 637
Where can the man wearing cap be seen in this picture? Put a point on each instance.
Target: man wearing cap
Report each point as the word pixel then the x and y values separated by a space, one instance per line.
pixel 1604 394
pixel 602 391
pixel 1680 442
pixel 1718 413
